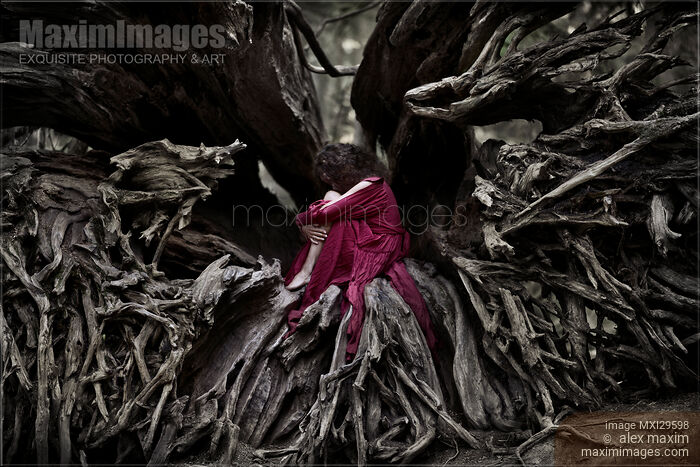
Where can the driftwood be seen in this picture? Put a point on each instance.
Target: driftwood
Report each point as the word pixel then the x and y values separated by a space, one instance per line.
pixel 135 330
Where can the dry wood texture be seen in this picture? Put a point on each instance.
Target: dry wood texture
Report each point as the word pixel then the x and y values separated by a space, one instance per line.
pixel 118 106
pixel 134 331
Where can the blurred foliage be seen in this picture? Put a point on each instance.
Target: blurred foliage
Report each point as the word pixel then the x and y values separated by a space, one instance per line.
pixel 343 42
pixel 44 139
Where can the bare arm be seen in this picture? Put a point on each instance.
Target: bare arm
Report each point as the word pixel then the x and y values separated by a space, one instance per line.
pixel 356 188
pixel 356 204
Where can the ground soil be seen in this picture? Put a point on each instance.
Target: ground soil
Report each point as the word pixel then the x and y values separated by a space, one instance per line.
pixel 541 454
pixel 446 451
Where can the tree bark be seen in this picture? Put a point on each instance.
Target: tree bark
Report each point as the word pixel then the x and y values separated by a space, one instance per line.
pixel 118 106
pixel 136 329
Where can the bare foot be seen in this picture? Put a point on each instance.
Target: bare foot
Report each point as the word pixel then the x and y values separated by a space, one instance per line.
pixel 301 279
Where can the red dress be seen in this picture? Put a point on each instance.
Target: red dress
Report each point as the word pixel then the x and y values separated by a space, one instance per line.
pixel 366 240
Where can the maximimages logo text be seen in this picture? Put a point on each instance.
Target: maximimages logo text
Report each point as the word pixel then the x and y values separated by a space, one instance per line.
pixel 155 42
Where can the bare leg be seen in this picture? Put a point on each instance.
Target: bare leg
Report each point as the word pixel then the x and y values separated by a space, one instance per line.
pixel 304 275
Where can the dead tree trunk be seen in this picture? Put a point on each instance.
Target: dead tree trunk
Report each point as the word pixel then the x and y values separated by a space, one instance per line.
pixel 118 106
pixel 96 325
pixel 104 348
pixel 586 222
pixel 567 276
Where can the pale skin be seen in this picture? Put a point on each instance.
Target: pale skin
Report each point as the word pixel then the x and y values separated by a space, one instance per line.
pixel 317 234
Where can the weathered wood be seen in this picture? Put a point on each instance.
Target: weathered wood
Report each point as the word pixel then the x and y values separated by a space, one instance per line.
pixel 136 329
pixel 555 227
pixel 67 248
pixel 117 106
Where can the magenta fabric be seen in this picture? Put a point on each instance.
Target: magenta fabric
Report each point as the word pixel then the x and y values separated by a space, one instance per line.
pixel 366 240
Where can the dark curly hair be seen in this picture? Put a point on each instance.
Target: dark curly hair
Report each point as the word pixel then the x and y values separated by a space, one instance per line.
pixel 343 165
